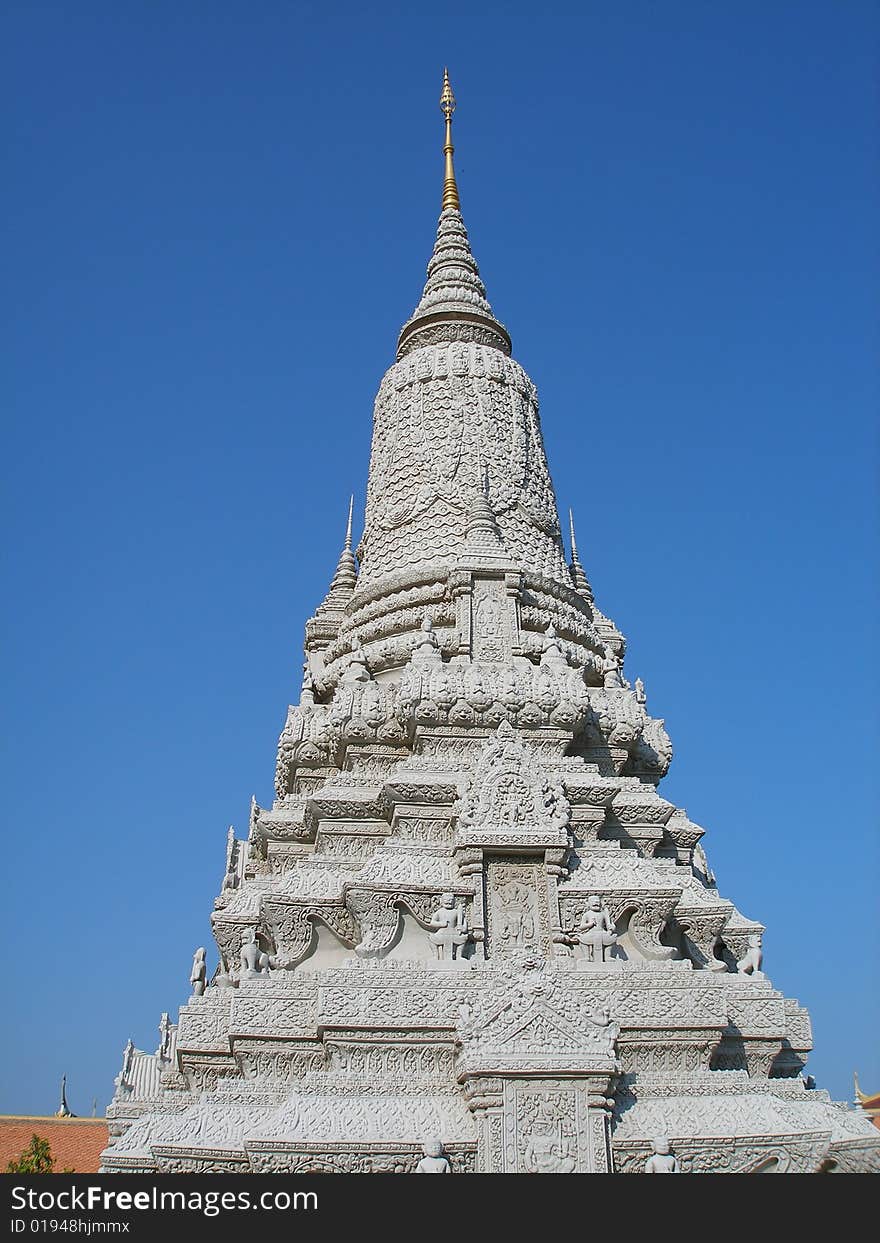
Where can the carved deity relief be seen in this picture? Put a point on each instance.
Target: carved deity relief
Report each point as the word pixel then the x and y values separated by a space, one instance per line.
pixel 511 791
pixel 510 806
pixel 450 932
pixel 662 1159
pixel 546 1132
pixel 547 1127
pixel 491 626
pixel 515 911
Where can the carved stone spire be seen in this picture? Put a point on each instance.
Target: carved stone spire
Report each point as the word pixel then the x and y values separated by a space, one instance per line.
pixel 578 575
pixel 483 539
pixel 454 306
pixel 345 578
pixel 324 626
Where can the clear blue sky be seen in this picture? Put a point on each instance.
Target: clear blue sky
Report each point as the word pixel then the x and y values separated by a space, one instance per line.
pixel 218 217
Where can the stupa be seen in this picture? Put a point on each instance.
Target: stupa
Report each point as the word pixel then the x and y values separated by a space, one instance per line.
pixel 470 935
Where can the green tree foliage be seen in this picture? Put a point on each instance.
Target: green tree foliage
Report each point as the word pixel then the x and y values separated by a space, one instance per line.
pixel 36 1159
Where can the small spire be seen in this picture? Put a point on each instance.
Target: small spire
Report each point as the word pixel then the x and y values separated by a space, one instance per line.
pixel 64 1110
pixel 482 536
pixel 324 625
pixel 345 577
pixel 578 575
pixel 447 105
pixel 348 528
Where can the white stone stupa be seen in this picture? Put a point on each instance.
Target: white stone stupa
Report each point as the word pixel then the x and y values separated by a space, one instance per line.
pixel 470 935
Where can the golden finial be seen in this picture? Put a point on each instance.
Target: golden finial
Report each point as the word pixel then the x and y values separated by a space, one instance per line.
pixel 447 105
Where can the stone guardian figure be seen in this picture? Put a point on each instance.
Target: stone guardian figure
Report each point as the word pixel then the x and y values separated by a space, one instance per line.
pixel 434 1161
pixel 612 678
pixel 662 1159
pixel 254 961
pixel 596 929
pixel 451 928
pixel 750 963
pixel 427 648
pixel 199 974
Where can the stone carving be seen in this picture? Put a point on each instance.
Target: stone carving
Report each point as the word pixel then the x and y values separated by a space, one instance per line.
pixel 651 752
pixel 611 665
pixel 488 691
pixel 451 932
pixel 662 1160
pixel 430 422
pixel 491 636
pixel 552 654
pixel 514 911
pixel 123 1083
pixel 527 1009
pixel 378 917
pixel 596 932
pixel 701 864
pixel 427 649
pixel 750 963
pixel 357 670
pixel 254 961
pixel 434 1160
pixel 198 974
pixel 166 1031
pixel 547 1149
pixel 511 791
pixel 465 815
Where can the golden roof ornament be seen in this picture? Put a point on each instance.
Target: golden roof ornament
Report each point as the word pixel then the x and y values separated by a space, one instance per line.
pixel 450 189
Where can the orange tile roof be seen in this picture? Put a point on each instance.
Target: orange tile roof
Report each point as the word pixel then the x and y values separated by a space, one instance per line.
pixel 76 1143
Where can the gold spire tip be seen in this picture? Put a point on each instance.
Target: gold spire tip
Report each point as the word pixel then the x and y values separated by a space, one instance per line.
pixel 447 99
pixel 447 106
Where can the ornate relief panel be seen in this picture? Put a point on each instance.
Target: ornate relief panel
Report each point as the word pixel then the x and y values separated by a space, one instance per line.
pixel 549 1128
pixel 516 906
pixel 491 629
